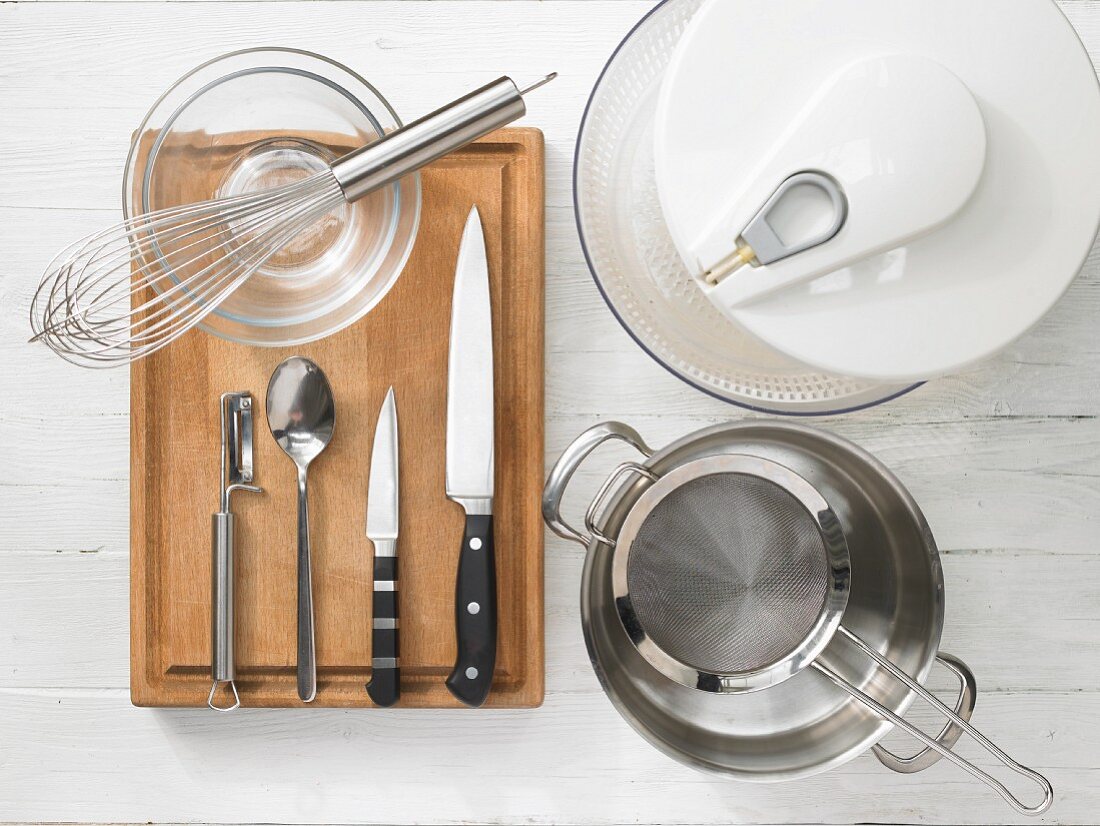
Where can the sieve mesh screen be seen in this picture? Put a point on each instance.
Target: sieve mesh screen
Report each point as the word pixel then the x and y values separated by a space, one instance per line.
pixel 728 574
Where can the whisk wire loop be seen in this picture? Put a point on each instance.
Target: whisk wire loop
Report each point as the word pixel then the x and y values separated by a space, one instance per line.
pixel 125 292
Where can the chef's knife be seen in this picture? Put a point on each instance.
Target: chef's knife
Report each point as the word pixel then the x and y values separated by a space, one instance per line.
pixel 384 687
pixel 470 467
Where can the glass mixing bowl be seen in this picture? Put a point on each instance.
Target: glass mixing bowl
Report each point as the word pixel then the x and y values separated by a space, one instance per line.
pixel 635 262
pixel 260 118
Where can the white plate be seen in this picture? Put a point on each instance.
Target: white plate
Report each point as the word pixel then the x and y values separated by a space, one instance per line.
pixel 956 294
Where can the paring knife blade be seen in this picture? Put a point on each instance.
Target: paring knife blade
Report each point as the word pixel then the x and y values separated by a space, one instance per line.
pixel 382 530
pixel 471 467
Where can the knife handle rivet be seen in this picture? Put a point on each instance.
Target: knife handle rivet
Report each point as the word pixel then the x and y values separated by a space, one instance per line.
pixel 471 673
pixel 473 608
pixel 475 544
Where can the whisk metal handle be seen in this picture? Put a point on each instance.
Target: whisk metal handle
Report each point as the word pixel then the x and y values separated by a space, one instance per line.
pixel 425 140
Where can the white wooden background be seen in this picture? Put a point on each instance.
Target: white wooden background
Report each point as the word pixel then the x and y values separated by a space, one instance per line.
pixel 1005 461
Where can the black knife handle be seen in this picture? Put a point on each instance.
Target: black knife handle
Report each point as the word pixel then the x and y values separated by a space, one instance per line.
pixel 475 614
pixel 384 687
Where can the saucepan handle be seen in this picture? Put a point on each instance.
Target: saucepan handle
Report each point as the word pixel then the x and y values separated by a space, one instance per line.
pixel 964 708
pixel 570 461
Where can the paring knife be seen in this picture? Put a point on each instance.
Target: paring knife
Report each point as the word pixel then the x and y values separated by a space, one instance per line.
pixel 471 467
pixel 384 687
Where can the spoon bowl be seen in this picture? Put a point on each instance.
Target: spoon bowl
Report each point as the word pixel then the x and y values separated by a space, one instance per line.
pixel 300 409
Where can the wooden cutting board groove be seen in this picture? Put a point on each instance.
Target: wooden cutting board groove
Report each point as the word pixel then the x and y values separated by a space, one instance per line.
pixel 174 473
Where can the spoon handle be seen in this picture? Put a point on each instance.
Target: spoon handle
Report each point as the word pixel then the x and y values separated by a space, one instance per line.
pixel 307 655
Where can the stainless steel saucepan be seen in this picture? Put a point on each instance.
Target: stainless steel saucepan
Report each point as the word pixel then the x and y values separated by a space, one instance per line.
pixel 718 636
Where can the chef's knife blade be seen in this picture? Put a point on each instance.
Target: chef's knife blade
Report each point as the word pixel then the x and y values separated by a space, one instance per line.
pixel 471 468
pixel 382 529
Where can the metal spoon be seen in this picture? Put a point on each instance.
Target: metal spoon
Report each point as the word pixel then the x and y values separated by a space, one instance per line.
pixel 301 414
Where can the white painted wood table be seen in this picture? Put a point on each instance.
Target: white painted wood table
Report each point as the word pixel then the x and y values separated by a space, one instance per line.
pixel 1005 460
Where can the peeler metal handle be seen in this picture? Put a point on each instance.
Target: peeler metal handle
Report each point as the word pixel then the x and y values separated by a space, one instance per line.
pixel 221 618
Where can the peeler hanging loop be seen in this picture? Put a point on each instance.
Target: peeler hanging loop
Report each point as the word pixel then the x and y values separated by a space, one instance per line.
pixel 214 690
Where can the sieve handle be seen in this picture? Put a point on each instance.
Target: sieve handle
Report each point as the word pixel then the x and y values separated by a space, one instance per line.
pixel 964 707
pixel 571 461
pixel 932 743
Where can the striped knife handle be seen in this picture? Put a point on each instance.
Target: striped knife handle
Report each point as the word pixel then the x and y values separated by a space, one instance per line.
pixel 384 687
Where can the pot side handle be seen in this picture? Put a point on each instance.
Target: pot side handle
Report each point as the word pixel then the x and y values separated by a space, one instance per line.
pixel 570 462
pixel 964 707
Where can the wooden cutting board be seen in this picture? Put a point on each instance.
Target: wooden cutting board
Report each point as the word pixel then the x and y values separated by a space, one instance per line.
pixel 174 471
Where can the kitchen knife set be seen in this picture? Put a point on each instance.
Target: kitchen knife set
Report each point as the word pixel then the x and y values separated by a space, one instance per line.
pixel 301 414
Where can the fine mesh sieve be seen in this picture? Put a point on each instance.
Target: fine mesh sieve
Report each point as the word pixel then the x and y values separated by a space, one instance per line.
pixel 728 573
pixel 731 574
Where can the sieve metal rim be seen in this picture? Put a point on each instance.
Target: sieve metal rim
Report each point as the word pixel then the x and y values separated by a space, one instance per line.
pixel 836 598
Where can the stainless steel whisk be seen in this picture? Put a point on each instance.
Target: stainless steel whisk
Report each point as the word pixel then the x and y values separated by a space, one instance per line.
pixel 127 291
